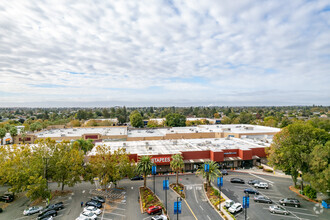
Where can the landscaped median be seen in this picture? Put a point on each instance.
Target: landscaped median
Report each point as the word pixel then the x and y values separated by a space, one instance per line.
pixel 179 189
pixel 212 195
pixel 148 198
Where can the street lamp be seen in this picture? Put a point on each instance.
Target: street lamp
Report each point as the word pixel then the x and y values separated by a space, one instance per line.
pixel 246 201
pixel 154 174
pixel 177 207
pixel 220 183
pixel 166 187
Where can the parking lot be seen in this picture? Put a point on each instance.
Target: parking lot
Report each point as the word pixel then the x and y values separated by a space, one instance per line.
pixel 278 189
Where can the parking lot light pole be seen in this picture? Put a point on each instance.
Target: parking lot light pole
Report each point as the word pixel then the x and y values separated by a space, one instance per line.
pixel 246 204
pixel 165 184
pixel 154 174
pixel 220 183
pixel 177 207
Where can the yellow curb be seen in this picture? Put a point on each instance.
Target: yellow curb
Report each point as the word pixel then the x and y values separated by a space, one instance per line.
pixel 190 209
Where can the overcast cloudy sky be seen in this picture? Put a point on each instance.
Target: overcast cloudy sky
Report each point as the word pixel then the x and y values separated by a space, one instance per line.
pixel 161 53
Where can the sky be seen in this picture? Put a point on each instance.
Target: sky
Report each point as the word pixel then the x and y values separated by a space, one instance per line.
pixel 101 53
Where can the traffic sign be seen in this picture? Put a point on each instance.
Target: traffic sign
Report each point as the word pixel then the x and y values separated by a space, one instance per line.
pixel 166 185
pixel 153 170
pixel 207 167
pixel 220 181
pixel 177 207
pixel 246 201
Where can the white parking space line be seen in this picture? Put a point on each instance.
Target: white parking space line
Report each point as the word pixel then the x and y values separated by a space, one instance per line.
pixel 119 208
pixel 195 196
pixel 261 178
pixel 201 208
pixel 289 207
pixel 112 213
pixel 301 213
pixel 284 216
pixel 208 217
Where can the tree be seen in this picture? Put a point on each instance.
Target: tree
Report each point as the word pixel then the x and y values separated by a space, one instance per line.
pixel 13 132
pixel 175 120
pixel 213 173
pixel 2 134
pixel 216 115
pixel 110 167
pixel 144 168
pixel 23 135
pixel 319 173
pixel 36 126
pixel 292 146
pixel 85 145
pixel 153 124
pixel 136 119
pixel 177 165
pixel 226 120
pixel 65 164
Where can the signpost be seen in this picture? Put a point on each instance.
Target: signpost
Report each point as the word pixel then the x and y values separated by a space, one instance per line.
pixel 207 167
pixel 166 186
pixel 177 207
pixel 246 204
pixel 220 183
pixel 153 171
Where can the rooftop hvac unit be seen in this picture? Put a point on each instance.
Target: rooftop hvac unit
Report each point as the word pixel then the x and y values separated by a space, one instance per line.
pixel 196 131
pixel 147 143
pixel 124 144
pixel 175 142
pixel 149 148
pixel 62 135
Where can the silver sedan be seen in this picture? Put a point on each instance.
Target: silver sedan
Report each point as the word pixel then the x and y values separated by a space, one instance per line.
pixel 278 210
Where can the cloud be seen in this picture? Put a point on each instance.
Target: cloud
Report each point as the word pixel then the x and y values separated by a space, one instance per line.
pixel 164 52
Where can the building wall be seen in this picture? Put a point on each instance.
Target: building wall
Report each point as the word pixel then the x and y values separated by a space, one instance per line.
pixel 29 139
pixel 170 136
pixel 187 155
pixel 260 152
pixel 245 154
pixel 217 156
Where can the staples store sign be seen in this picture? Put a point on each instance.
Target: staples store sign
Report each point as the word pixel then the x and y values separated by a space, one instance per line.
pixel 161 160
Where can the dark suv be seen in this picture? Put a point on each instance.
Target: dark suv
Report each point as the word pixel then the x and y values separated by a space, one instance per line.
pixel 47 214
pixel 290 201
pixel 251 191
pixel 56 206
pixel 7 198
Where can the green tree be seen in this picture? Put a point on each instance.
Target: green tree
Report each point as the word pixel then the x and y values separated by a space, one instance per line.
pixel 213 173
pixel 13 132
pixel 319 172
pixel 144 168
pixel 110 167
pixel 136 119
pixel 291 148
pixel 177 165
pixel 36 126
pixel 2 134
pixel 175 120
pixel 66 164
pixel 85 145
pixel 226 120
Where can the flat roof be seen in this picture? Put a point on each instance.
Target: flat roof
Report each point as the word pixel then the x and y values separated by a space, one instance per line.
pixel 161 147
pixel 74 132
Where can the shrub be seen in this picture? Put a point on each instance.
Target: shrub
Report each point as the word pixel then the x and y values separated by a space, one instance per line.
pixel 309 192
pixel 268 170
pixel 150 198
pixel 260 167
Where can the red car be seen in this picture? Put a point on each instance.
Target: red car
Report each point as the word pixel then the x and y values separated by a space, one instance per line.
pixel 154 209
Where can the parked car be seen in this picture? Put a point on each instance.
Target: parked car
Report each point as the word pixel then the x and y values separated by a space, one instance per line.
pixel 93 209
pixel 98 199
pixel 56 206
pixel 237 180
pixel 137 178
pixel 262 199
pixel 229 203
pixel 48 218
pixel 159 217
pixel 94 203
pixel 290 201
pixel 7 198
pixel 154 209
pixel 32 210
pixel 83 218
pixel 47 214
pixel 252 182
pixel 278 210
pixel 224 172
pixel 251 191
pixel 261 185
pixel 235 208
pixel 88 214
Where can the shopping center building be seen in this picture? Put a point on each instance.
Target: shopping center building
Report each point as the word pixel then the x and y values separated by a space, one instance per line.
pixel 229 152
